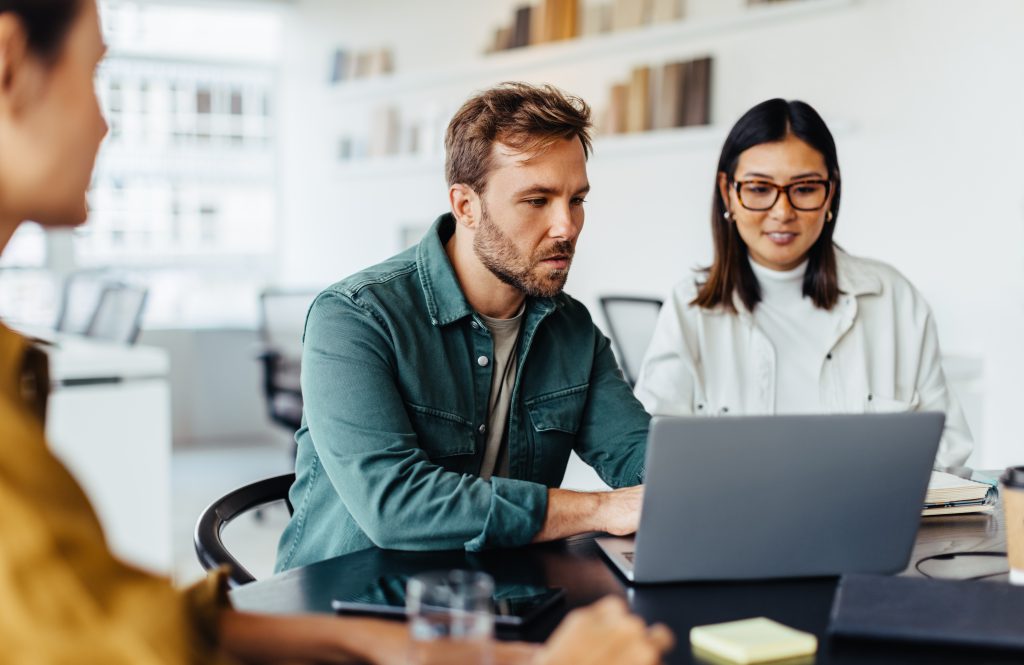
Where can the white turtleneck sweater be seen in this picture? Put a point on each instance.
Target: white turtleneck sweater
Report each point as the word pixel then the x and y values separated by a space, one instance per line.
pixel 801 334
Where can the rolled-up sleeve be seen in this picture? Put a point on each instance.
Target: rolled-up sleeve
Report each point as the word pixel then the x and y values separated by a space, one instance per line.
pixel 362 433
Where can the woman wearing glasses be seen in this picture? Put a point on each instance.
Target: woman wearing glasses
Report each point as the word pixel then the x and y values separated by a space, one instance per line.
pixel 783 321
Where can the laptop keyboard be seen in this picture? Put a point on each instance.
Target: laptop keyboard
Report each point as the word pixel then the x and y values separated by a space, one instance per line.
pixel 628 556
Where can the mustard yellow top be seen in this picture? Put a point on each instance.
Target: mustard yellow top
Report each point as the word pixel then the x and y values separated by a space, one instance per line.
pixel 64 598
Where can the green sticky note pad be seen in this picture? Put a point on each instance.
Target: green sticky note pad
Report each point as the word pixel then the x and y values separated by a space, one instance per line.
pixel 759 640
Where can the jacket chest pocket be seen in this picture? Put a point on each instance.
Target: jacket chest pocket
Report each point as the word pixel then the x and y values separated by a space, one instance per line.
pixel 556 419
pixel 881 404
pixel 447 438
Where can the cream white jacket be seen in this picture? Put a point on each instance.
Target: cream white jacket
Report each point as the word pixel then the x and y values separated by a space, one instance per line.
pixel 884 358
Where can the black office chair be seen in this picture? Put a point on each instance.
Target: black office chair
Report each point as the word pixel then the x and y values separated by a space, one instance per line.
pixel 282 316
pixel 631 322
pixel 210 547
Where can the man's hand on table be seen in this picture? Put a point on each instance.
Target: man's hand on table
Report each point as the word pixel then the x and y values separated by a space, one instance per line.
pixel 571 513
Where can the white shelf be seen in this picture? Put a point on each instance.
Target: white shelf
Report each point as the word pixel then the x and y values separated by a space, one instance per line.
pixel 515 62
pixel 682 139
pixel 639 144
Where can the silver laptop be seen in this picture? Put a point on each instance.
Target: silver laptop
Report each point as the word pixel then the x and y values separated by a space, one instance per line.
pixel 757 497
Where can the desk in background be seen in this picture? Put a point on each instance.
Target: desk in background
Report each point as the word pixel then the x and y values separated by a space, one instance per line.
pixel 109 421
pixel 577 566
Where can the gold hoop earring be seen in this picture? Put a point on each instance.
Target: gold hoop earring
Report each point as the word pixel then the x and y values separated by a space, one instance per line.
pixel 829 216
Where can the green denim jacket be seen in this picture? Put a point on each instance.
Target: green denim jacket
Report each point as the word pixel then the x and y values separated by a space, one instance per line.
pixel 395 398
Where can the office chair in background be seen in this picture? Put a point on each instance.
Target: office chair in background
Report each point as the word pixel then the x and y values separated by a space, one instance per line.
pixel 282 317
pixel 79 296
pixel 118 314
pixel 94 304
pixel 631 322
pixel 210 547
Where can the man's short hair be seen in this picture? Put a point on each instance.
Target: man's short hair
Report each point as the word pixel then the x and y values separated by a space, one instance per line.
pixel 527 118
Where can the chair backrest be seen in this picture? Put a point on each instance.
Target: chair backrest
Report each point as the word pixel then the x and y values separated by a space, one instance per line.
pixel 79 297
pixel 210 547
pixel 282 318
pixel 631 322
pixel 118 314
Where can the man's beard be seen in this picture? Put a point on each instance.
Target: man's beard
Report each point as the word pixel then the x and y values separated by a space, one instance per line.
pixel 499 254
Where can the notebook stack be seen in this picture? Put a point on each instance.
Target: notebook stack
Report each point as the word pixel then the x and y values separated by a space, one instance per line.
pixel 951 495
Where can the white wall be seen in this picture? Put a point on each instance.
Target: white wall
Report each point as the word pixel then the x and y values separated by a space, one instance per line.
pixel 925 99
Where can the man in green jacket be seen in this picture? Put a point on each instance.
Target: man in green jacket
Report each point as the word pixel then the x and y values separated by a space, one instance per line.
pixel 445 387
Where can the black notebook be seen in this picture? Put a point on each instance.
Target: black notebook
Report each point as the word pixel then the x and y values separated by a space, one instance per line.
pixel 989 614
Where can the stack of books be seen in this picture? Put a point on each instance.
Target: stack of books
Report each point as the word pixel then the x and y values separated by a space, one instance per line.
pixel 347 65
pixel 557 20
pixel 951 495
pixel 677 94
pixel 547 21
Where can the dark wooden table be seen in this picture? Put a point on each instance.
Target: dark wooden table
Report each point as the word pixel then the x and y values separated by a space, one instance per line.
pixel 577 566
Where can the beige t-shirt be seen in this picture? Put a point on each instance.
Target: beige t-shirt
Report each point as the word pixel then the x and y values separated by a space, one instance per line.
pixel 505 333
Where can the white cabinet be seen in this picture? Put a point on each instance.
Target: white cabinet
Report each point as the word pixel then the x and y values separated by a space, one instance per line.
pixel 109 421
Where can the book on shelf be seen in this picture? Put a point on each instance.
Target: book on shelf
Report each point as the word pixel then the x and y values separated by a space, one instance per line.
pixel 666 11
pixel 503 38
pixel 538 25
pixel 346 65
pixel 561 19
pixel 697 93
pixel 629 14
pixel 616 117
pixel 571 19
pixel 521 27
pixel 595 19
pixel 345 148
pixel 550 10
pixel 379 62
pixel 668 109
pixel 339 65
pixel 952 495
pixel 363 59
pixel 638 108
pixel 385 131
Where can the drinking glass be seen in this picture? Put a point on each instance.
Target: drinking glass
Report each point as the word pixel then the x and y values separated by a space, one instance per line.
pixel 451 617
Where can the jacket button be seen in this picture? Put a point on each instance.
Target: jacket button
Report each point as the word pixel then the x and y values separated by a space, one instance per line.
pixel 482 429
pixel 475 325
pixel 828 356
pixel 482 361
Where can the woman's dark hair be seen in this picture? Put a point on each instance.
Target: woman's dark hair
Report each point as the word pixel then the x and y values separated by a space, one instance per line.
pixel 730 272
pixel 46 22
